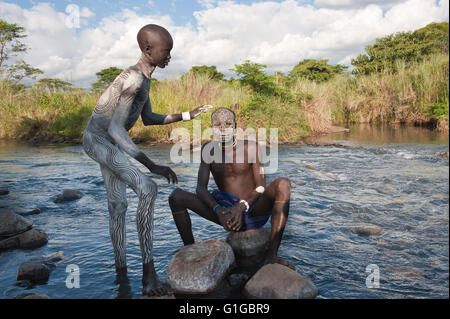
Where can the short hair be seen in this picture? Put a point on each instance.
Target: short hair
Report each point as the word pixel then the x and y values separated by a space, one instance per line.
pixel 224 109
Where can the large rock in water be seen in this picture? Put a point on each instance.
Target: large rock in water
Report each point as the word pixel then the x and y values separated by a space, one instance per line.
pixel 249 246
pixel 34 271
pixel 31 239
pixel 275 281
pixel 12 224
pixel 68 195
pixel 199 268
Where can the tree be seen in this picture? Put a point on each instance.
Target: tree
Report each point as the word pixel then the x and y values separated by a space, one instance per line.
pixel 105 77
pixel 10 46
pixel 53 84
pixel 435 37
pixel 253 74
pixel 210 71
pixel 316 70
pixel 406 46
pixel 10 33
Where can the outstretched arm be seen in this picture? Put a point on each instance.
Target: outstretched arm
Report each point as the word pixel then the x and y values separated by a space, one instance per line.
pixel 151 118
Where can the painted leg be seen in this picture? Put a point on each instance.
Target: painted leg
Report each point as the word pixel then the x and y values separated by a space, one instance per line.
pixel 109 155
pixel 151 285
pixel 117 207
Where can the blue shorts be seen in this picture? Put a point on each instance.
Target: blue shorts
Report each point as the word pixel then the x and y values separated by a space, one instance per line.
pixel 227 200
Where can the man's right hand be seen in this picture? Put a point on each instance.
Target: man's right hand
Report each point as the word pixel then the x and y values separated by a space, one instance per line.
pixel 224 215
pixel 166 172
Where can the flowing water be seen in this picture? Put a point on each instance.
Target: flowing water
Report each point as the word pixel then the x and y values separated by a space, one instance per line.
pixel 392 178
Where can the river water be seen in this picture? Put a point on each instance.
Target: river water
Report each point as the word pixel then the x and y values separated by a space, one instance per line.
pixel 390 177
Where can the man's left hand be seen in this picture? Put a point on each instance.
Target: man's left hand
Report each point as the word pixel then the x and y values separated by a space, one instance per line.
pixel 199 110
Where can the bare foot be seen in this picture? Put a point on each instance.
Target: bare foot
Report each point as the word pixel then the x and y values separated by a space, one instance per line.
pixel 151 285
pixel 281 261
pixel 155 287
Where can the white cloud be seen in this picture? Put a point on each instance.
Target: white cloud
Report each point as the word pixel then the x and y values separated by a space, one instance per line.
pixel 354 3
pixel 278 34
pixel 208 4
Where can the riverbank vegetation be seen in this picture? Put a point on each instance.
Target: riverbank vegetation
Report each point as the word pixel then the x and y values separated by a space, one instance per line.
pixel 402 78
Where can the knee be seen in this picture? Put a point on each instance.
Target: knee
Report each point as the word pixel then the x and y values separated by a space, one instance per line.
pixel 283 185
pixel 149 186
pixel 117 207
pixel 175 198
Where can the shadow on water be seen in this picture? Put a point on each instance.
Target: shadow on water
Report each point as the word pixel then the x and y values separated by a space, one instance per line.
pixel 393 178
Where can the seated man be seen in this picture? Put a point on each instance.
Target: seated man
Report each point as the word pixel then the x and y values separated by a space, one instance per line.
pixel 242 202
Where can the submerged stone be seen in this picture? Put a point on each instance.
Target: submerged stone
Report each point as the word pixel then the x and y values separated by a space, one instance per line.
pixel 249 246
pixel 30 239
pixel 12 224
pixel 366 230
pixel 31 296
pixel 274 281
pixel 199 268
pixel 68 195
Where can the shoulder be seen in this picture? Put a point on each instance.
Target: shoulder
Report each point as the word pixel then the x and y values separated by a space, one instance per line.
pixel 129 79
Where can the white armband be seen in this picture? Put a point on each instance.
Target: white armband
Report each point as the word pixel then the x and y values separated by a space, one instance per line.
pixel 260 189
pixel 246 204
pixel 186 116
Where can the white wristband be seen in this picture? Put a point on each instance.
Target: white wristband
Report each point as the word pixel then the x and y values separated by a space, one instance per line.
pixel 246 204
pixel 186 116
pixel 260 189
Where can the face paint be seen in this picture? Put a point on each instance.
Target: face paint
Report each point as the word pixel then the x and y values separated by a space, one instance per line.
pixel 224 125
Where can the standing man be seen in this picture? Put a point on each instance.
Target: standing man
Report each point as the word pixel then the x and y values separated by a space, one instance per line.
pixel 106 141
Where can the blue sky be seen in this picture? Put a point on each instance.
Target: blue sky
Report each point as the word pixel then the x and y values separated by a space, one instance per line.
pixel 277 33
pixel 181 11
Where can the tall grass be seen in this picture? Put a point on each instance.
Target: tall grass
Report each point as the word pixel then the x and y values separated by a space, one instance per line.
pixel 410 95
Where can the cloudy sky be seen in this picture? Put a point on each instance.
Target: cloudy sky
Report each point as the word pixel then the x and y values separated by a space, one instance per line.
pixel 76 39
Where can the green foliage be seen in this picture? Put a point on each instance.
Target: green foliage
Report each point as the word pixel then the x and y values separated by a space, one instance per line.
pixel 439 110
pixel 316 70
pixel 105 77
pixel 53 84
pixel 210 71
pixel 252 74
pixel 406 46
pixel 10 45
pixel 10 33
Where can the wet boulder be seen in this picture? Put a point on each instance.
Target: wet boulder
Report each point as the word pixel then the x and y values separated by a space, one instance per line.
pixel 445 155
pixel 199 268
pixel 249 246
pixel 12 224
pixel 274 281
pixel 35 211
pixel 4 191
pixel 31 239
pixel 68 195
pixel 35 272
